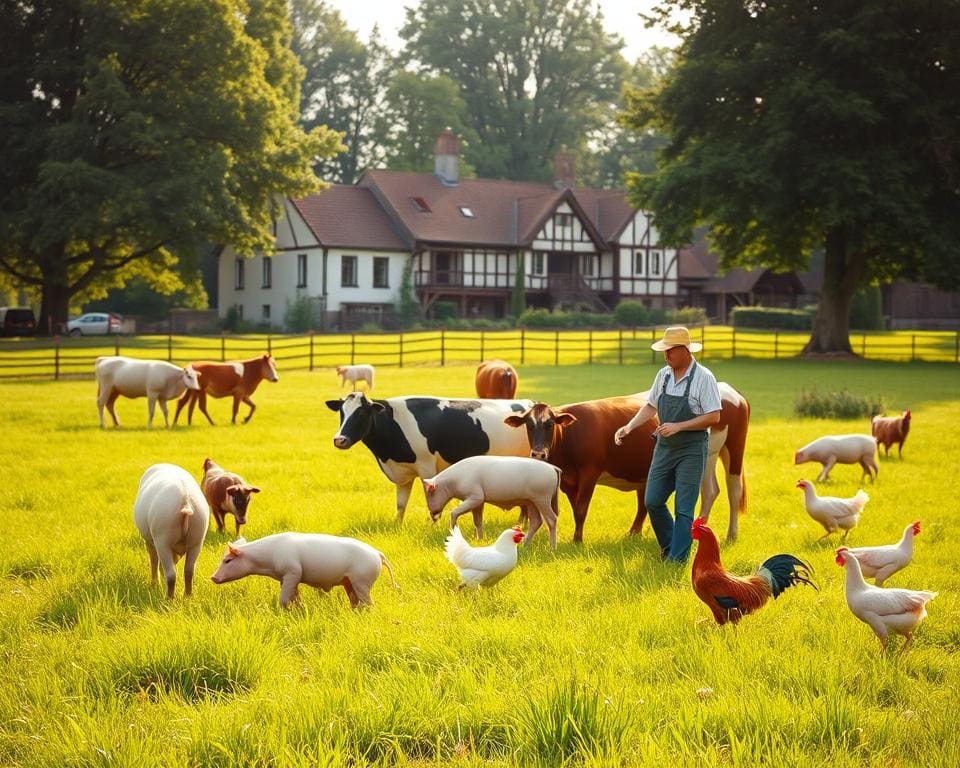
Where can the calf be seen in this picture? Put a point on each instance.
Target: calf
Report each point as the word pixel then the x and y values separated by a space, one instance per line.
pixel 226 492
pixel 578 439
pixel 843 449
pixel 314 559
pixel 355 374
pixel 157 380
pixel 888 430
pixel 413 437
pixel 238 379
pixel 496 379
pixel 507 481
pixel 172 516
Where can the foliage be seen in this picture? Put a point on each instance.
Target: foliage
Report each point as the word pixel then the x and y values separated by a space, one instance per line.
pixel 518 295
pixel 534 75
pixel 688 316
pixel 789 132
pixel 771 317
pixel 300 315
pixel 836 405
pixel 544 318
pixel 632 314
pixel 866 309
pixel 137 129
pixel 408 307
pixel 444 310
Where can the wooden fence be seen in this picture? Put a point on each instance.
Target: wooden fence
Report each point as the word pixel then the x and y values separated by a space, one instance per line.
pixel 74 357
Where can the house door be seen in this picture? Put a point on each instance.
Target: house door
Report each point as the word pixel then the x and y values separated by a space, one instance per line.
pixel 446 268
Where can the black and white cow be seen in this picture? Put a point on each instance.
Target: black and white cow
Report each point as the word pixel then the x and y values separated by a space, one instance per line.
pixel 417 437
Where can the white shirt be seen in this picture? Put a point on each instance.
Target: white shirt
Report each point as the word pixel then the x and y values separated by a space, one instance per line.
pixel 704 392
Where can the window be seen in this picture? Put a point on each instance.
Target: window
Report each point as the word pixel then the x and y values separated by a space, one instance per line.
pixel 266 311
pixel 238 274
pixel 587 266
pixel 267 272
pixel 539 264
pixel 563 219
pixel 639 262
pixel 467 212
pixel 348 272
pixel 655 262
pixel 381 272
pixel 301 270
pixel 421 205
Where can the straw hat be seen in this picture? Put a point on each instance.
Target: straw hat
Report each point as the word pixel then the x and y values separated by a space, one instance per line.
pixel 676 336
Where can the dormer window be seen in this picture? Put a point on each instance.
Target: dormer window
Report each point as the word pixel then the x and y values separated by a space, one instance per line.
pixel 467 212
pixel 420 204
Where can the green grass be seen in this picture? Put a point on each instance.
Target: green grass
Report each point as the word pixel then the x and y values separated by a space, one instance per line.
pixel 596 655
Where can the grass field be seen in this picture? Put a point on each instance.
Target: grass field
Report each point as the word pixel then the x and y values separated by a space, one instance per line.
pixel 596 655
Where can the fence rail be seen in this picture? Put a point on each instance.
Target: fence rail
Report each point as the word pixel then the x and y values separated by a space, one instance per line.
pixel 74 357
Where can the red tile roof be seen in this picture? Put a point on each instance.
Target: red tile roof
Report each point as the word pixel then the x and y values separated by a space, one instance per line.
pixel 349 217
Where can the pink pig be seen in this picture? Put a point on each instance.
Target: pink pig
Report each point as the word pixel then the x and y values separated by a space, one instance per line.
pixel 315 559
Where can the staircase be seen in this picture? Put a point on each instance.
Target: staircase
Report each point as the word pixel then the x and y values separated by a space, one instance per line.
pixel 571 292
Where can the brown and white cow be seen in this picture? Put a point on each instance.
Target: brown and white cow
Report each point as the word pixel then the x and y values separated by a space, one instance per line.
pixel 496 379
pixel 578 438
pixel 238 379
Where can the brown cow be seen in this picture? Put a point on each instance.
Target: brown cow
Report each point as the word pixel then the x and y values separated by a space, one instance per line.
pixel 238 379
pixel 578 438
pixel 496 379
pixel 887 430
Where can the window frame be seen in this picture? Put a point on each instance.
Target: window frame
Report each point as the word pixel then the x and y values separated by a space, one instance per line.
pixel 238 274
pixel 267 276
pixel 384 263
pixel 344 261
pixel 301 270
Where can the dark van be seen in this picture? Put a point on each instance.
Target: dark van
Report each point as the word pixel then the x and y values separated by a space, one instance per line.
pixel 17 321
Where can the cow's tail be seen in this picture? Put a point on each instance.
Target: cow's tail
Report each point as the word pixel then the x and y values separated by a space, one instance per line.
pixel 386 563
pixel 555 499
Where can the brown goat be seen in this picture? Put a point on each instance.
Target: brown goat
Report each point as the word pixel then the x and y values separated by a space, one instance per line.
pixel 226 492
pixel 888 430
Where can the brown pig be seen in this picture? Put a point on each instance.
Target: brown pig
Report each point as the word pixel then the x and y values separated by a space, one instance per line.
pixel 226 492
pixel 315 559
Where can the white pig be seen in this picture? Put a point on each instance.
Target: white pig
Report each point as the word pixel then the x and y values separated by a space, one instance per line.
pixel 172 516
pixel 507 481
pixel 315 559
pixel 845 449
pixel 355 374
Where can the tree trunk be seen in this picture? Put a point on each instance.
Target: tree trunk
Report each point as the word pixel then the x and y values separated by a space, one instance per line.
pixel 54 307
pixel 842 274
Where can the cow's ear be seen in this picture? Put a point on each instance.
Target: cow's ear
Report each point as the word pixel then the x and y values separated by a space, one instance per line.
pixel 334 405
pixel 514 421
pixel 232 489
pixel 565 419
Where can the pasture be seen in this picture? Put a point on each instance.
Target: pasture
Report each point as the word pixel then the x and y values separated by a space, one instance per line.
pixel 596 655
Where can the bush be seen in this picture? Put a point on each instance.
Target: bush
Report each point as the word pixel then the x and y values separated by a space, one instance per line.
pixel 542 318
pixel 298 317
pixel 632 314
pixel 836 405
pixel 772 317
pixel 444 310
pixel 688 316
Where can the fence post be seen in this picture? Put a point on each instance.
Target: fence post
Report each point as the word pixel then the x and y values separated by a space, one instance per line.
pixel 353 347
pixel 620 347
pixel 481 346
pixel 863 345
pixel 443 346
pixel 523 345
pixel 223 346
pixel 269 345
pixel 556 347
pixel 401 349
pixel 56 359
pixel 733 353
pixel 116 345
pixel 311 351
pixel 913 347
pixel 776 340
pixel 590 347
pixel 956 354
pixel 170 347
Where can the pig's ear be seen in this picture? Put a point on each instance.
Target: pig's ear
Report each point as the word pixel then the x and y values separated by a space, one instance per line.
pixel 235 551
pixel 429 486
pixel 253 489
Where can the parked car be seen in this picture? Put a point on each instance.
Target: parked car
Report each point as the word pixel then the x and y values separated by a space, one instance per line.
pixel 17 321
pixel 95 324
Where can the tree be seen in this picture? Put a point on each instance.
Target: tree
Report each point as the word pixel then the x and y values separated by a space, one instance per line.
pixel 133 130
pixel 534 74
pixel 797 126
pixel 344 87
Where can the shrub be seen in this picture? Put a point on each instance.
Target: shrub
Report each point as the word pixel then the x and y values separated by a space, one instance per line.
pixel 772 317
pixel 518 296
pixel 409 309
pixel 444 310
pixel 542 318
pixel 688 316
pixel 631 314
pixel 836 405
pixel 299 315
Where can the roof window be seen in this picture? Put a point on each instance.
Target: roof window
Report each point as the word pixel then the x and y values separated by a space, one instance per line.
pixel 420 204
pixel 467 212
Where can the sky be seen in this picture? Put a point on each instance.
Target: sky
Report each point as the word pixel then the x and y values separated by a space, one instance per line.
pixel 619 16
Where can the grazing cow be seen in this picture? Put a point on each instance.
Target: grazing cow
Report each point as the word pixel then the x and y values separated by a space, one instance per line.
pixel 888 430
pixel 157 380
pixel 226 492
pixel 578 438
pixel 496 379
pixel 172 516
pixel 416 437
pixel 728 439
pixel 845 449
pixel 355 374
pixel 238 379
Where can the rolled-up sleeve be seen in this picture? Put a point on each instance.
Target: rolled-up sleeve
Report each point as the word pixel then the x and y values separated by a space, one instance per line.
pixel 708 393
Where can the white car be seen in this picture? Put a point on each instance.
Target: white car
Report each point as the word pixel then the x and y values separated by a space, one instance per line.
pixel 94 324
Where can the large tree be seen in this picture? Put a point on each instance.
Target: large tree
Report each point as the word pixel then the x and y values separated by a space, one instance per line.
pixel 797 126
pixel 534 74
pixel 133 130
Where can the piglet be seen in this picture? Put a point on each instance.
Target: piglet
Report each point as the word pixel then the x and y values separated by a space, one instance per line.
pixel 355 374
pixel 226 492
pixel 843 449
pixel 315 559
pixel 507 481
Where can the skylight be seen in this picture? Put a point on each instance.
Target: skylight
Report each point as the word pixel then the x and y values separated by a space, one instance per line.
pixel 420 204
pixel 467 212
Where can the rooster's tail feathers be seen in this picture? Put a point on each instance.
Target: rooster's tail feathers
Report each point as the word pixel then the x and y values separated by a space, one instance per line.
pixel 782 571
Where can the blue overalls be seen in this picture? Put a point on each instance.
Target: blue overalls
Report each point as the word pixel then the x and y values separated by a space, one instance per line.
pixel 678 464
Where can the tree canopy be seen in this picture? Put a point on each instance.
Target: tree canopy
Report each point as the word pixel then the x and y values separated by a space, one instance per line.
pixel 798 126
pixel 133 130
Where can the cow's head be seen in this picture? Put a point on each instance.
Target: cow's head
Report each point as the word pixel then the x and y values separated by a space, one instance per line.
pixel 238 499
pixel 268 368
pixel 543 426
pixel 356 418
pixel 191 378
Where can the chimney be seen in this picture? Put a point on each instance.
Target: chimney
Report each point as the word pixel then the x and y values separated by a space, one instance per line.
pixel 446 163
pixel 564 168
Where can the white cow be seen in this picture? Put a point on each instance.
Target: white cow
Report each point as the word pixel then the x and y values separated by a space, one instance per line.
pixel 157 380
pixel 172 516
pixel 507 481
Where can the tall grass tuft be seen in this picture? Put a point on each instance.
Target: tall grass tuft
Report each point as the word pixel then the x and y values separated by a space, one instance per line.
pixel 836 405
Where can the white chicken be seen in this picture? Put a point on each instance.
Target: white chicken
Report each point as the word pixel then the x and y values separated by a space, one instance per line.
pixel 483 566
pixel 880 563
pixel 885 610
pixel 832 512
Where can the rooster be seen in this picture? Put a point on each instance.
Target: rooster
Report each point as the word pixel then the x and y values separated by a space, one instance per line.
pixel 483 566
pixel 831 512
pixel 885 610
pixel 880 563
pixel 732 597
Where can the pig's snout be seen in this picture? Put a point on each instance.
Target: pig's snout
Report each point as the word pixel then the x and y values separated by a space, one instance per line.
pixel 434 516
pixel 798 458
pixel 216 578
